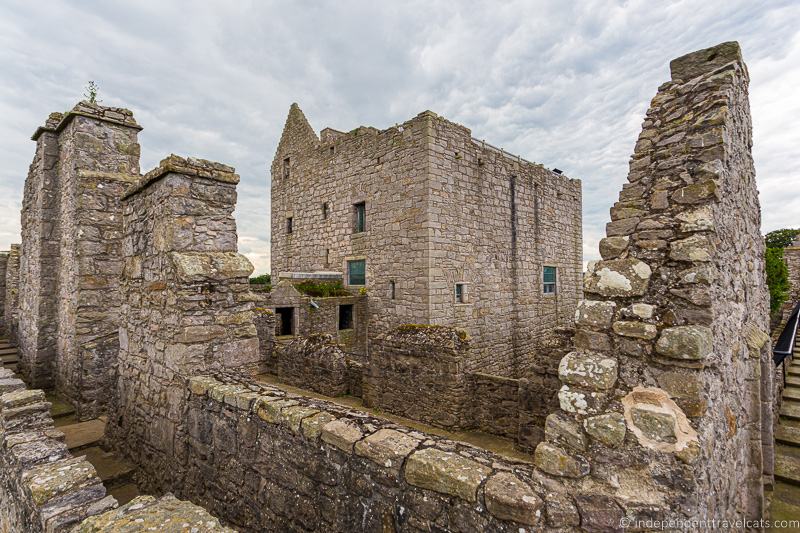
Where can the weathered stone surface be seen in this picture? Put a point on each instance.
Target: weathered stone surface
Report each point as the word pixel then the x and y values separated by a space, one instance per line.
pixel 312 426
pixel 595 314
pixel 445 472
pixel 195 266
pixel 704 61
pixel 599 512
pixel 617 277
pixel 341 433
pixel 700 219
pixel 608 429
pixel 581 401
pixel 639 330
pixel 685 342
pixel 685 389
pixel 588 370
pixel 387 447
pixel 643 311
pixel 509 498
pixel 557 462
pixel 613 247
pixel 561 511
pixel 565 432
pixel 696 193
pixel 695 248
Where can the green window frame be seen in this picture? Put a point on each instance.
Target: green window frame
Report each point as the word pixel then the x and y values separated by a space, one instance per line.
pixel 359 217
pixel 357 272
pixel 549 278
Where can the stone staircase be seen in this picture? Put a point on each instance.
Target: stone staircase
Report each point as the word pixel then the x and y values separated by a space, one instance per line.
pixel 84 438
pixel 785 504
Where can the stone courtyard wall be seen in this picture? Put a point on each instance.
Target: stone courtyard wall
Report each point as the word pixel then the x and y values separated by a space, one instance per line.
pixel 3 264
pixel 11 300
pixel 315 363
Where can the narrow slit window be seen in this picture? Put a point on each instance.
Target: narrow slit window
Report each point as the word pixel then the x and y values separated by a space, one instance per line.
pixel 289 225
pixel 286 163
pixel 327 256
pixel 359 217
pixel 346 316
pixel 357 272
pixel 549 280
pixel 392 289
pixel 461 296
pixel 325 210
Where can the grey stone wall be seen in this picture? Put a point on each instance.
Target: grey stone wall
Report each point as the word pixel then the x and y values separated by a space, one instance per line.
pixel 3 264
pixel 418 371
pixel 494 404
pixel 791 254
pixel 11 301
pixel 442 208
pixel 187 305
pixel 315 363
pixel 39 260
pixel 661 403
pixel 264 320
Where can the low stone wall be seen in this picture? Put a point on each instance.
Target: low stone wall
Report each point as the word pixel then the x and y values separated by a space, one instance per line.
pixel 3 264
pixel 315 363
pixel 418 371
pixel 272 461
pixel 495 404
pixel 265 321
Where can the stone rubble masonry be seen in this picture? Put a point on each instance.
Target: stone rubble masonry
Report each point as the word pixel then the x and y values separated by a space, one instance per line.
pixel 70 256
pixel 441 208
pixel 665 405
pixel 791 255
pixel 11 300
pixel 3 264
pixel 45 489
pixel 316 363
pixel 187 306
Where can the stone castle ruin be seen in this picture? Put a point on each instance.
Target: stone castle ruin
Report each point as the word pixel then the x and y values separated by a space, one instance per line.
pixel 429 358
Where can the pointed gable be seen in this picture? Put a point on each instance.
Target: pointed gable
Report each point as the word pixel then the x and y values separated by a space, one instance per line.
pixel 297 133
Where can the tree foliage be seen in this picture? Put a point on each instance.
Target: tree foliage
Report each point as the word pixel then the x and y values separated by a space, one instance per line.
pixel 781 238
pixel 777 278
pixel 263 279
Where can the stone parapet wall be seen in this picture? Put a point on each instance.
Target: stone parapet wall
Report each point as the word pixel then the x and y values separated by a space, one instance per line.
pixel 662 403
pixel 791 255
pixel 11 300
pixel 306 464
pixel 315 363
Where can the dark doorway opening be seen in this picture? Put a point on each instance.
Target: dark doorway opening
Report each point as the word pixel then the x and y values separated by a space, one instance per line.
pixel 346 316
pixel 286 316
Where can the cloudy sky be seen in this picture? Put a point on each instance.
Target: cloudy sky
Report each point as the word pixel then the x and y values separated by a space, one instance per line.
pixel 562 83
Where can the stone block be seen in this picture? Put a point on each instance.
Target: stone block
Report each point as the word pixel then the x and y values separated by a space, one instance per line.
pixel 581 402
pixel 691 343
pixel 557 462
pixel 608 429
pixel 312 426
pixel 617 278
pixel 638 330
pixel 613 247
pixel 697 248
pixel 387 447
pixel 509 498
pixel 446 472
pixel 596 314
pixel 563 431
pixel 341 433
pixel 599 512
pixel 588 370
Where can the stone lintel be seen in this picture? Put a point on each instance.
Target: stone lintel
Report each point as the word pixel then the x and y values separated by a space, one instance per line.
pixel 188 166
pixel 704 61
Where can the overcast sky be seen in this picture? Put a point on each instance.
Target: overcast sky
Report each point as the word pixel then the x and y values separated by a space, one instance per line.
pixel 565 84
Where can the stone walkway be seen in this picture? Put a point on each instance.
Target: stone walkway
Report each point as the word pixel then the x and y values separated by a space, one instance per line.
pixel 84 438
pixel 785 502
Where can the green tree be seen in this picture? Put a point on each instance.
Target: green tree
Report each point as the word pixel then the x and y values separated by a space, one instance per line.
pixel 781 238
pixel 777 278
pixel 263 279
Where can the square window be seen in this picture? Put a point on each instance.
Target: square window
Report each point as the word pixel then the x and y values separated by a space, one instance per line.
pixel 549 280
pixel 286 163
pixel 289 226
pixel 346 316
pixel 357 272
pixel 461 293
pixel 359 217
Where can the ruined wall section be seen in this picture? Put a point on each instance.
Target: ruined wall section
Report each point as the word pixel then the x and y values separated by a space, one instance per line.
pixel 3 265
pixel 11 301
pixel 39 260
pixel 495 221
pixel 660 403
pixel 791 254
pixel 186 308
pixel 386 170
pixel 98 160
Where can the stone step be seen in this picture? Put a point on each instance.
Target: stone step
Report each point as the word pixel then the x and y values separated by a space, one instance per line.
pixel 111 468
pixel 791 380
pixel 124 493
pixel 787 468
pixel 59 408
pixel 8 351
pixel 9 358
pixel 83 434
pixel 787 435
pixel 791 393
pixel 793 370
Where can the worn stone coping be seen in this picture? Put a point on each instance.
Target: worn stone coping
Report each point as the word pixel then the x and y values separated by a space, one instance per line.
pixel 78 112
pixel 422 460
pixel 187 166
